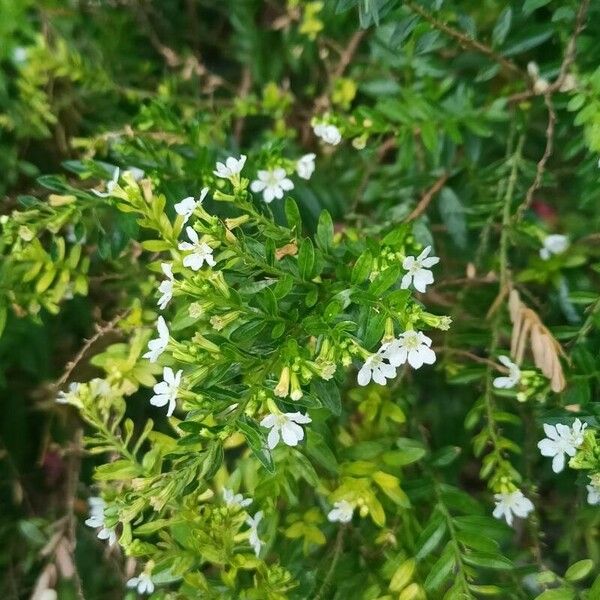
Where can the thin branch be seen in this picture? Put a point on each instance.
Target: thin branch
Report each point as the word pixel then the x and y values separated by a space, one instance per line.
pixel 339 544
pixel 346 56
pixel 567 62
pixel 463 39
pixel 101 331
pixel 427 198
pixel 474 357
pixel 541 165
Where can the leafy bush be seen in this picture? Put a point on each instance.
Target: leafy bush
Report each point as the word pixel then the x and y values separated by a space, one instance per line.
pixel 309 307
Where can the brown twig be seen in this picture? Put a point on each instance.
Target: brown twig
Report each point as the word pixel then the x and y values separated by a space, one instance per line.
pixel 101 331
pixel 541 165
pixel 427 198
pixel 567 62
pixel 473 357
pixel 463 39
pixel 346 56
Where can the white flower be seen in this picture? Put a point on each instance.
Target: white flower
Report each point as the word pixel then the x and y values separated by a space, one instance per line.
pixel 236 500
pixel 411 345
pixel 19 55
pixel 188 205
pixel 513 377
pixel 341 512
pixel 418 270
pixel 136 173
pixel 201 252
pixel 166 391
pixel 285 425
pixel 157 346
pixel 108 533
pixel 253 538
pixel 96 520
pixel 593 496
pixel 231 168
pixel 70 396
pixel 166 286
pixel 100 387
pixel 143 583
pixel 110 185
pixel 305 166
pixel 377 369
pixel 512 504
pixel 272 184
pixel 330 134
pixel 553 244
pixel 561 440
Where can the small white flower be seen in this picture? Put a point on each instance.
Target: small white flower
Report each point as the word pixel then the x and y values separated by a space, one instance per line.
pixel 341 512
pixel 136 173
pixel 377 369
pixel 513 377
pixel 272 184
pixel 236 500
pixel 143 583
pixel 412 346
pixel 96 520
pixel 110 185
pixel 166 286
pixel 157 346
pixel 201 252
pixel 232 167
pixel 19 55
pixel 561 440
pixel 253 538
pixel 166 391
pixel 109 534
pixel 553 244
pixel 285 425
pixel 100 388
pixel 305 166
pixel 70 396
pixel 512 504
pixel 330 134
pixel 593 496
pixel 418 270
pixel 188 205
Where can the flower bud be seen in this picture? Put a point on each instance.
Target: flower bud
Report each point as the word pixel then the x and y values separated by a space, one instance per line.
pixel 283 387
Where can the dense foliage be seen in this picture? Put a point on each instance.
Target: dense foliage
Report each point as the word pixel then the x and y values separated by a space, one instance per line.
pixel 300 299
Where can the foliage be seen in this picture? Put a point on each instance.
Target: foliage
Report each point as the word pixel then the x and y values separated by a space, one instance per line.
pixel 326 411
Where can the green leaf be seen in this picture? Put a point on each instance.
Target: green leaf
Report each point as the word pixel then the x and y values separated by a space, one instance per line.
pixel 559 594
pixel 441 570
pixel 453 215
pixel 292 215
pixel 325 231
pixel 502 26
pixel 362 267
pixel 579 570
pixel 306 258
pixel 385 280
pixel 488 560
pixel 317 448
pixel 430 537
pixel 256 441
pixel 531 5
pixel 329 394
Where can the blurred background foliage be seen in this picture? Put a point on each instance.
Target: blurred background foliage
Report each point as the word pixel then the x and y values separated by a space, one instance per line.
pixel 427 93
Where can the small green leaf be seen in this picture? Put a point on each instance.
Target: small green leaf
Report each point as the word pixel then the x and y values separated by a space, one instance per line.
pixel 306 258
pixel 325 231
pixel 579 570
pixel 362 267
pixel 530 6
